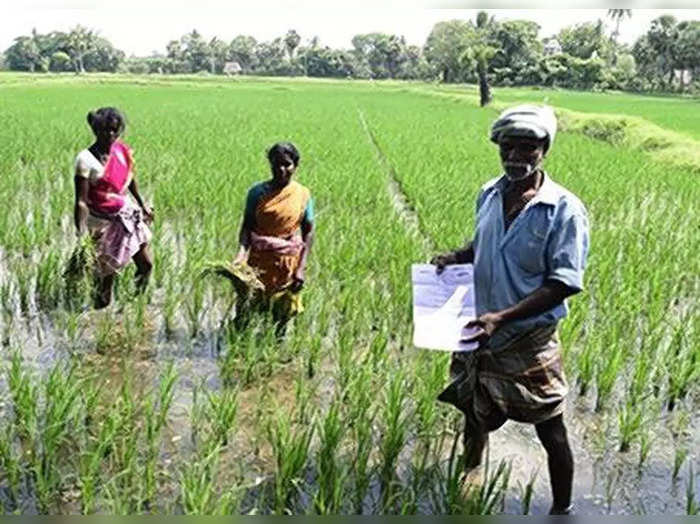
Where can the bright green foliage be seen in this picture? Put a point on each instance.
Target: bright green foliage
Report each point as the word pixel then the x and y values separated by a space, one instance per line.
pixel 159 405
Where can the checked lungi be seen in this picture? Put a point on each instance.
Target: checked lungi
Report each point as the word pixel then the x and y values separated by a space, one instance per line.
pixel 523 381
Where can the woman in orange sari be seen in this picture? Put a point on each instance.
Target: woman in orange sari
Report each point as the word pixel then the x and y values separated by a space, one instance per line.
pixel 277 232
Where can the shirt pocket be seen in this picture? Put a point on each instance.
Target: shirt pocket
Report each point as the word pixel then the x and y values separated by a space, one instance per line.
pixel 528 248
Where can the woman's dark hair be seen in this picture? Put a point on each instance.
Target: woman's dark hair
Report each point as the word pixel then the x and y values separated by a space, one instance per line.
pixel 104 116
pixel 281 149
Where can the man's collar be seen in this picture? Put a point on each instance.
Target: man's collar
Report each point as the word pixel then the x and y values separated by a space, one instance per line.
pixel 548 193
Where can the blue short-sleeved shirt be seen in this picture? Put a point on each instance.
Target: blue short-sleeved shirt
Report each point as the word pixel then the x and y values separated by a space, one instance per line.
pixel 258 191
pixel 549 239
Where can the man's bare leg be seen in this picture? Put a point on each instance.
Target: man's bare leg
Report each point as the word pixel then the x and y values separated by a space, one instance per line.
pixel 552 434
pixel 475 440
pixel 476 435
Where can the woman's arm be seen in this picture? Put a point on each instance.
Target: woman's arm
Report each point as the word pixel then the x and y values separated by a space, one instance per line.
pixel 81 210
pixel 134 188
pixel 307 236
pixel 243 241
pixel 247 226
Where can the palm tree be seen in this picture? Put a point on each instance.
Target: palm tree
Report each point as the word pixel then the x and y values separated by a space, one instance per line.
pixel 291 42
pixel 618 15
pixel 81 41
pixel 483 53
pixel 663 37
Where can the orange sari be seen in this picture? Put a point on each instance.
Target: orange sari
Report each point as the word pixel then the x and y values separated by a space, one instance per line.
pixel 276 239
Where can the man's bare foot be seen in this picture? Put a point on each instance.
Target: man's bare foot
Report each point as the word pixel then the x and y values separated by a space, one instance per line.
pixel 569 510
pixel 472 481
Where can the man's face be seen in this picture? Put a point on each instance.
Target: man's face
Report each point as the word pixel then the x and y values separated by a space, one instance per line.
pixel 520 156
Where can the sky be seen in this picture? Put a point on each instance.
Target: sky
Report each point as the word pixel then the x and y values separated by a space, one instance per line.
pixel 140 27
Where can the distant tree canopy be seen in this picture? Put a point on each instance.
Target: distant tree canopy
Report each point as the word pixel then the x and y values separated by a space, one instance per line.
pixel 585 40
pixel 79 50
pixel 667 49
pixel 484 50
pixel 445 47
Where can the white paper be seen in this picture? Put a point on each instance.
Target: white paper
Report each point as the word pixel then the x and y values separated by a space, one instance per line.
pixel 442 305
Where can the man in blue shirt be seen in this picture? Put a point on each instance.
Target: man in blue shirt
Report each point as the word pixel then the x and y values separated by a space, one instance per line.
pixel 529 253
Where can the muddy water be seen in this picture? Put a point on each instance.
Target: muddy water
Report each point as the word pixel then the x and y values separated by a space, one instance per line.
pixel 605 481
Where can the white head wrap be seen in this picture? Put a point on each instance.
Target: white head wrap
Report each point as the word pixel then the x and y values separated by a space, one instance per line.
pixel 526 121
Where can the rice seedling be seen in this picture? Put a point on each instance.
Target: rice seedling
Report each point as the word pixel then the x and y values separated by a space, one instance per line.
pixel 198 484
pixel 8 312
pixel 151 452
pixel 612 487
pixel 127 489
pixel 528 490
pixel 304 393
pixel 346 364
pixel 228 503
pixel 446 494
pixel 290 446
pixel 394 426
pixel 10 463
pixel 484 499
pixel 428 388
pixel 132 334
pixel 331 476
pixel 24 275
pixel 606 377
pixel 70 322
pixel 62 394
pixel 692 507
pixel 91 459
pixel 166 392
pixel 105 332
pixel 25 397
pixel 312 355
pixel 171 304
pixel 222 409
pixel 586 369
pixel 631 420
pixel 679 456
pixel 48 288
pixel 682 360
pixel 360 416
pixel 197 414
pixel 407 500
pixel 645 442
pixel 194 307
pixel 155 413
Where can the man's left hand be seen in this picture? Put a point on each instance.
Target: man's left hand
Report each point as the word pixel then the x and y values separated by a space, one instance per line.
pixel 486 324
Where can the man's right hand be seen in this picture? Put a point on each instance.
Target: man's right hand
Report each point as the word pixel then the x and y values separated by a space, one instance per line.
pixel 441 261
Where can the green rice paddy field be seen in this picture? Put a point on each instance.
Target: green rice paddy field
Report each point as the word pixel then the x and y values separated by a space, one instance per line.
pixel 155 405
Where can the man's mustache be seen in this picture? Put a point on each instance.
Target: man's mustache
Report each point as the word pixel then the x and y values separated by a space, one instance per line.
pixel 516 164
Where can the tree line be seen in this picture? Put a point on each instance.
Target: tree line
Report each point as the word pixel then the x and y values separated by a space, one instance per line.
pixel 485 51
